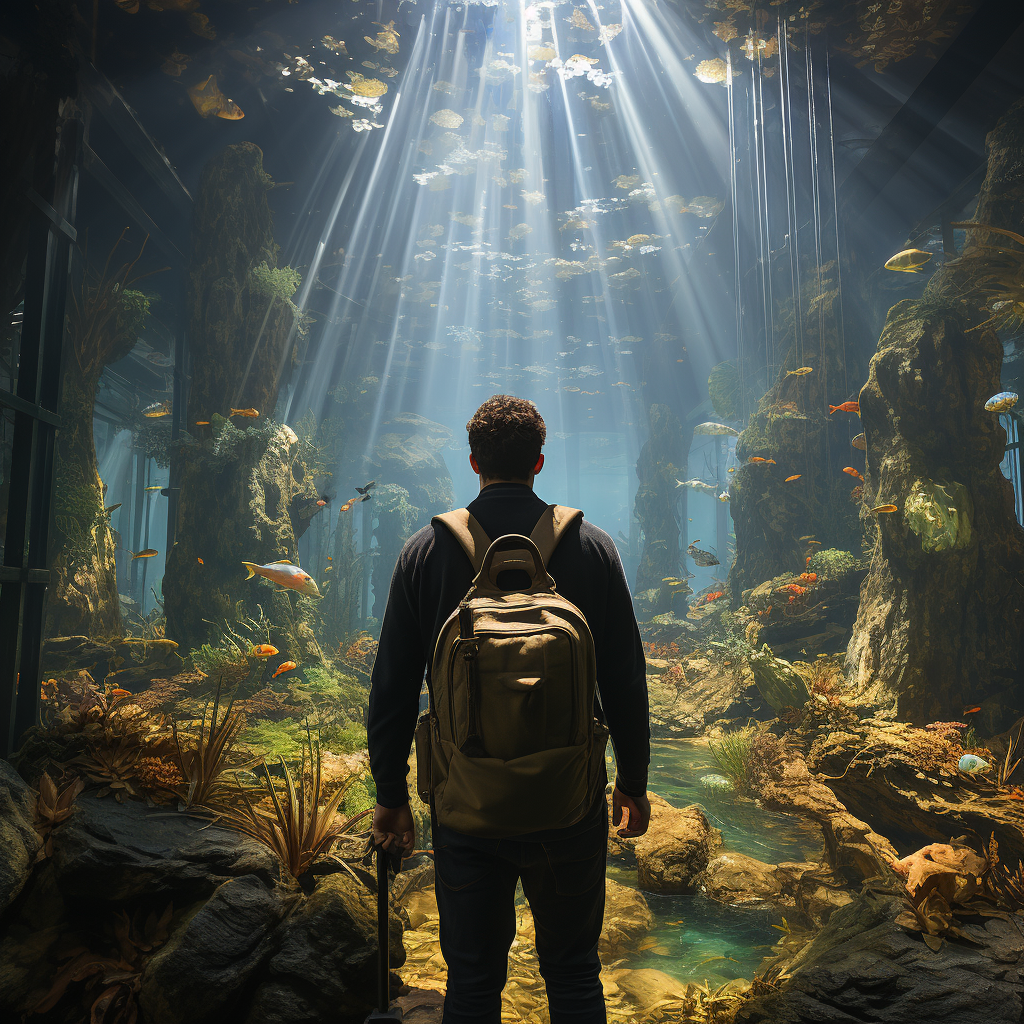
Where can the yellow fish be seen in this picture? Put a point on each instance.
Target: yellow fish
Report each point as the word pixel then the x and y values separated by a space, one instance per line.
pixel 157 410
pixel 909 261
pixel 146 553
pixel 800 371
pixel 285 575
pixel 248 413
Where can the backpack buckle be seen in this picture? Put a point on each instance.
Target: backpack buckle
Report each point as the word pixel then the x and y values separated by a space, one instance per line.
pixel 465 622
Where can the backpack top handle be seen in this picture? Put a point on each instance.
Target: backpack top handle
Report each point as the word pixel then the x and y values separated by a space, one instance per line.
pixel 513 551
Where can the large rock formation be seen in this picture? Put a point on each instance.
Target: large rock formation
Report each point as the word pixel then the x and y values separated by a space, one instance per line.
pixel 661 460
pixel 242 488
pixel 863 967
pixel 792 426
pixel 941 620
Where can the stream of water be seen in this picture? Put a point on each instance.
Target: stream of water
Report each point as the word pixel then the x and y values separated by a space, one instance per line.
pixel 698 938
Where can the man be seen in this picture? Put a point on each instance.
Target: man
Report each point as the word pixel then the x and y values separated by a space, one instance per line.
pixel 562 869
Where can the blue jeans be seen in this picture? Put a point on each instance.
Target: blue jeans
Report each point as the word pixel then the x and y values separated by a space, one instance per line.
pixel 564 882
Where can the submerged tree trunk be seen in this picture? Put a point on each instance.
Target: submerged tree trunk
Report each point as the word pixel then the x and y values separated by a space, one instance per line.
pixel 243 482
pixel 105 318
pixel 941 618
pixel 82 598
pixel 661 461
pixel 793 427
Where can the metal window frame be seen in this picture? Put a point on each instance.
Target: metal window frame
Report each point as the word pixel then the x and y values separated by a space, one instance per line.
pixel 24 575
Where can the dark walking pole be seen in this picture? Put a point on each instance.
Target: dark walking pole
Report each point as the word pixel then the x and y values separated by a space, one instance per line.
pixel 383 971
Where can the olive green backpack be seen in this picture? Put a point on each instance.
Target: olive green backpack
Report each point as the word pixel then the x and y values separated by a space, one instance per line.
pixel 509 743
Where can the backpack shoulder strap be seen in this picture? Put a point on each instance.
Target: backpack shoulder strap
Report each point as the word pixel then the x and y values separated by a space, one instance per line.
pixel 468 532
pixel 550 527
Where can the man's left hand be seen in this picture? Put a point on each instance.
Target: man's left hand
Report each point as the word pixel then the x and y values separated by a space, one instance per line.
pixel 394 825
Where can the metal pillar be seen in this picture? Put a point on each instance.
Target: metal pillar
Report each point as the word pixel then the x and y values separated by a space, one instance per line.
pixel 24 574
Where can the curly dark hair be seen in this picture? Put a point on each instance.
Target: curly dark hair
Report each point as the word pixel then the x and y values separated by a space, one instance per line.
pixel 505 436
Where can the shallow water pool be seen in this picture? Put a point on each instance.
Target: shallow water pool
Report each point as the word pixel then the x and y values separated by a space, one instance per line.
pixel 698 938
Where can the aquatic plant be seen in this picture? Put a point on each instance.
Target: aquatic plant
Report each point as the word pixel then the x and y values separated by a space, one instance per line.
pixel 52 808
pixel 831 563
pixel 320 443
pixel 995 275
pixel 275 740
pixel 119 969
pixel 748 757
pixel 203 763
pixel 304 822
pixel 228 445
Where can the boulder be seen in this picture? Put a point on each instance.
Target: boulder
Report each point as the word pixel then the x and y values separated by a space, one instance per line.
pixel 863 967
pixel 128 662
pixel 685 696
pixel 18 839
pixel 112 852
pixel 325 964
pixel 29 936
pixel 208 960
pixel 673 852
pixel 852 848
pixel 739 880
pixel 627 920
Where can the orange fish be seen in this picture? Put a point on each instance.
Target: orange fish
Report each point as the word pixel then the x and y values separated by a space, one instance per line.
pixel 285 666
pixel 329 559
pixel 247 413
pixel 850 471
pixel 971 711
pixel 200 561
pixel 790 479
pixel 807 560
pixel 120 693
pixel 202 423
pixel 757 458
pixel 845 407
pixel 263 651
pixel 346 506
pixel 883 508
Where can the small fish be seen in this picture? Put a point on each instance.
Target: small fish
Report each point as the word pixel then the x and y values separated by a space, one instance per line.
pixel 263 651
pixel 715 430
pixel 845 407
pixel 285 666
pixel 146 553
pixel 701 558
pixel 200 561
pixel 247 413
pixel 850 471
pixel 329 558
pixel 157 410
pixel 790 479
pixel 757 458
pixel 800 371
pixel 157 487
pixel 1002 402
pixel 731 469
pixel 328 568
pixel 346 506
pixel 971 711
pixel 202 423
pixel 882 508
pixel 860 442
pixel 285 575
pixel 909 261
pixel 209 101
pixel 118 692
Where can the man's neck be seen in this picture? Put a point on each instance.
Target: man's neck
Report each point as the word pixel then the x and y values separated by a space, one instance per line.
pixel 522 483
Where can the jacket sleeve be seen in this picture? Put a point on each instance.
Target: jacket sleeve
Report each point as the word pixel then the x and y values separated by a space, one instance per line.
pixel 622 681
pixel 395 685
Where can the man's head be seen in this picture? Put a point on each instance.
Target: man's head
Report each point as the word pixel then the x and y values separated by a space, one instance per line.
pixel 505 438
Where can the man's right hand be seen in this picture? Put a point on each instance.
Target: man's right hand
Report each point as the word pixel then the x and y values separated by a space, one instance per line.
pixel 638 810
